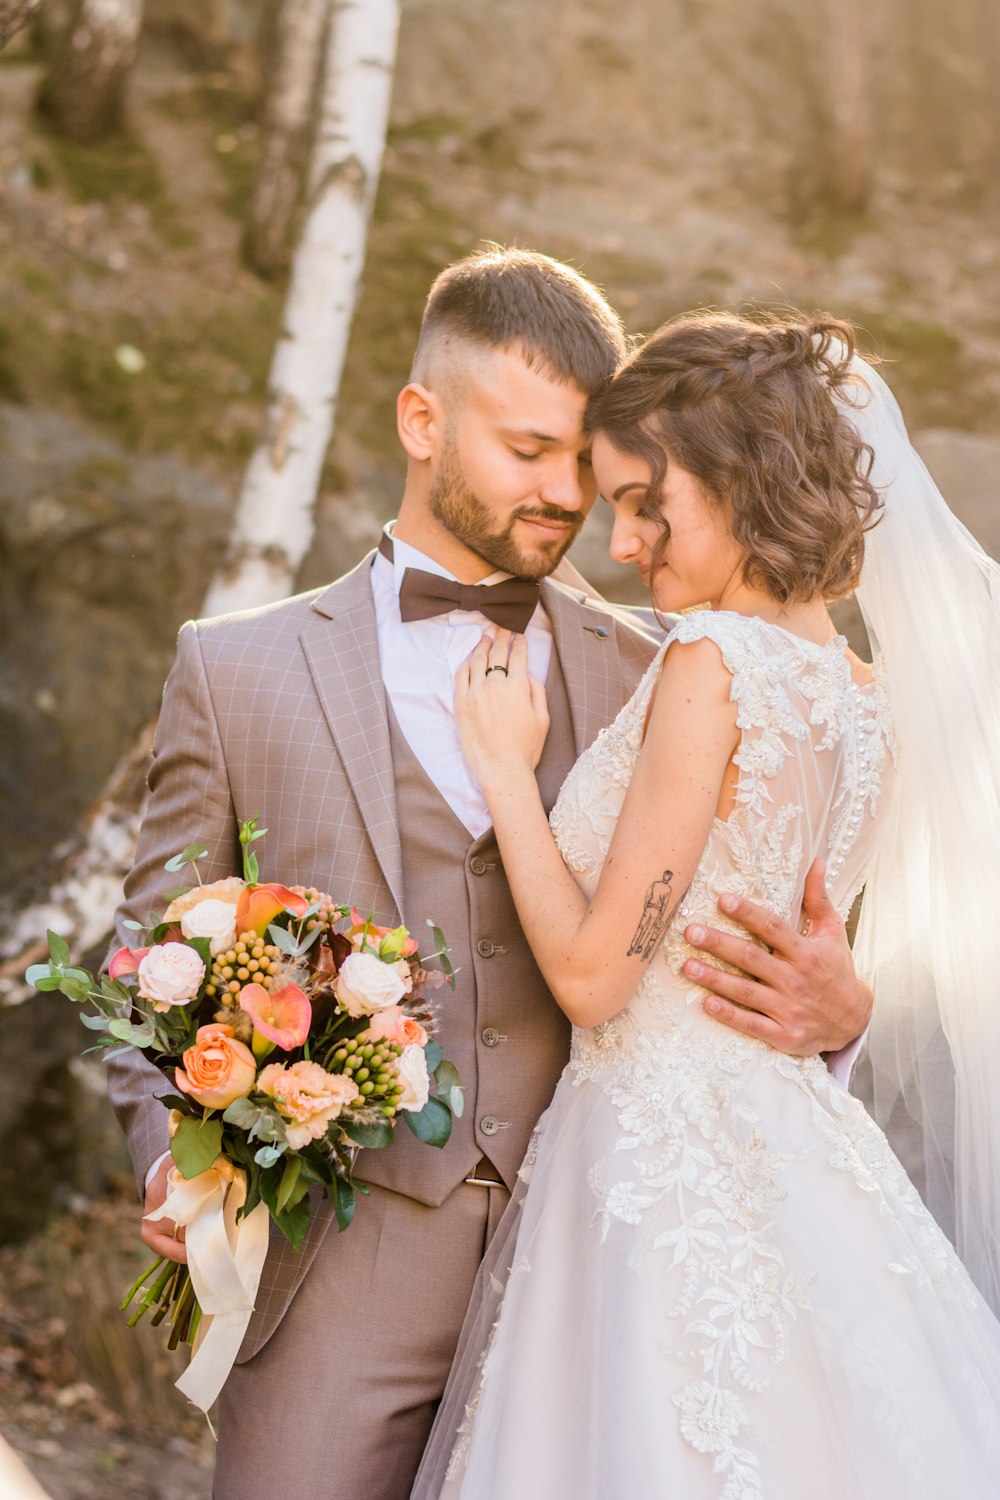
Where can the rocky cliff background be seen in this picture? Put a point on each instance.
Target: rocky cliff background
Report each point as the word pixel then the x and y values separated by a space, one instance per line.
pixel 677 152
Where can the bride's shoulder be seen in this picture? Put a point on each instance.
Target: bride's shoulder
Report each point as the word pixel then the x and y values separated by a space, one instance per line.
pixel 734 636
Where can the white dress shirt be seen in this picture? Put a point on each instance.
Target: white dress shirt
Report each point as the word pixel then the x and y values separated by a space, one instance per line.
pixel 419 660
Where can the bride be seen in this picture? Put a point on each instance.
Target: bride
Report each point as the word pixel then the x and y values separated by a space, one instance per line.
pixel 715 1279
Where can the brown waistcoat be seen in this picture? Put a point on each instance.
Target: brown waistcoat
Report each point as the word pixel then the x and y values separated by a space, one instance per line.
pixel 499 1026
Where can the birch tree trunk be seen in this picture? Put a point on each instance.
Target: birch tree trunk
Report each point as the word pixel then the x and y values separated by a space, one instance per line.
pixel 13 15
pixel 296 31
pixel 850 125
pixel 274 519
pixel 275 515
pixel 84 93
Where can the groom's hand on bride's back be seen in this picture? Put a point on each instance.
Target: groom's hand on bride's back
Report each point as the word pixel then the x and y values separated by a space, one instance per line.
pixel 800 993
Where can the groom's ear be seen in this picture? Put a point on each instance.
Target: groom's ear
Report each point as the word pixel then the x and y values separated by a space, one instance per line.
pixel 418 420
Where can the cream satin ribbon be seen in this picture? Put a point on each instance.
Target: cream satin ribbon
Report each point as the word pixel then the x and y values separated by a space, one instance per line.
pixel 225 1259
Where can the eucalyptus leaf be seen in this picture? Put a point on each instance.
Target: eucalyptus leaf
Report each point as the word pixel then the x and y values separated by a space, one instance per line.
pixel 266 1156
pixel 122 1029
pixel 58 947
pixel 132 924
pixel 432 1124
pixel 187 856
pixel 283 939
pixel 433 1056
pixel 53 982
pixel 95 1023
pixel 195 1144
pixel 441 944
pixel 36 972
pixel 456 1099
pixel 242 1113
pixel 446 1077
pixel 77 990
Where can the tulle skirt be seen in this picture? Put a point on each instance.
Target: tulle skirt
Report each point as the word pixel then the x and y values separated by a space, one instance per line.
pixel 751 1305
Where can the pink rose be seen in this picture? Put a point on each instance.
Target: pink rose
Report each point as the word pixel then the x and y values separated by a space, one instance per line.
pixel 307 1096
pixel 170 974
pixel 393 1025
pixel 217 1069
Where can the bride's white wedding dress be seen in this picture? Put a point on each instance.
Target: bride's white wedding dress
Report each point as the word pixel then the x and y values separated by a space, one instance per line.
pixel 715 1279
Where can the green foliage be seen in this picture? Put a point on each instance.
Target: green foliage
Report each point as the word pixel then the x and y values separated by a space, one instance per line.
pixel 120 168
pixel 249 834
pixel 373 1136
pixel 432 1124
pixel 195 1144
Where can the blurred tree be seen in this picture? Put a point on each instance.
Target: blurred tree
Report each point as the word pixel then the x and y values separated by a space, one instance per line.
pixel 275 515
pixel 13 15
pixel 84 92
pixel 294 31
pixel 849 164
pixel 274 519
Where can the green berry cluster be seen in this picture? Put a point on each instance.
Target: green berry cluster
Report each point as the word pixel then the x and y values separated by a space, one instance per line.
pixel 372 1067
pixel 249 961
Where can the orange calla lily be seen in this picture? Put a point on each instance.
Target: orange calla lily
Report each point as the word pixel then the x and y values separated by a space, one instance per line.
pixel 283 1017
pixel 260 904
pixel 126 961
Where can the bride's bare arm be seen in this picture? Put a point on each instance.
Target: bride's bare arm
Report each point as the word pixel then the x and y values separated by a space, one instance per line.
pixel 593 953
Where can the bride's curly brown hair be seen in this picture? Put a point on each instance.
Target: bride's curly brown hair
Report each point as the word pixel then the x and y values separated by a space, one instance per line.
pixel 746 406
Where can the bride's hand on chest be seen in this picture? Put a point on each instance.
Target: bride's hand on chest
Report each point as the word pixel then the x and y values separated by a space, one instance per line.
pixel 500 710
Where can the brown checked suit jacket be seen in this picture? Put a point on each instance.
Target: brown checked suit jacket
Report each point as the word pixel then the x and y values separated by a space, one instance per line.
pixel 281 713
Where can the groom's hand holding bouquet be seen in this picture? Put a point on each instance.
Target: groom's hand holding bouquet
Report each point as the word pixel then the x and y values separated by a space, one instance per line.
pixel 292 1031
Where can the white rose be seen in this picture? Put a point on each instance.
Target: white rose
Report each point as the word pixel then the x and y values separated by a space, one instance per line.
pixel 415 1079
pixel 170 974
pixel 212 919
pixel 366 985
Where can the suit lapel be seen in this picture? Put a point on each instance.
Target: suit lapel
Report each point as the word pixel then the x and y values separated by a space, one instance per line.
pixel 341 647
pixel 586 641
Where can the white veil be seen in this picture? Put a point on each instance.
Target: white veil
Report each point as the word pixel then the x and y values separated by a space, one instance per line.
pixel 929 939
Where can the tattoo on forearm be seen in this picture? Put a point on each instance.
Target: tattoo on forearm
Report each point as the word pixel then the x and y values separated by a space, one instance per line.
pixel 655 918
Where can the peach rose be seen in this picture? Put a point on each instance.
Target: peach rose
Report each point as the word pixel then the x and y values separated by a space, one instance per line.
pixel 170 974
pixel 393 1025
pixel 218 890
pixel 217 1069
pixel 307 1096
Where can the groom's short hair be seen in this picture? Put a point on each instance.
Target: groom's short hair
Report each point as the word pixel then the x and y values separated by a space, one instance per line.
pixel 504 298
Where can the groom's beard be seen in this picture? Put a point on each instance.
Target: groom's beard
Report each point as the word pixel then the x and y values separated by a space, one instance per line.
pixel 461 512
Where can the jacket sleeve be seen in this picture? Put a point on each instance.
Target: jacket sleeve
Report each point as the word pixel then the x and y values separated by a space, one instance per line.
pixel 189 801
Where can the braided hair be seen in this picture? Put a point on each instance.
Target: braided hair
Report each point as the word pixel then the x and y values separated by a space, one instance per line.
pixel 747 408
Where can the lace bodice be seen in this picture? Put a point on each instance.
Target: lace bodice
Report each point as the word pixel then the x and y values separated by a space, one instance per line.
pixel 814 756
pixel 710 1234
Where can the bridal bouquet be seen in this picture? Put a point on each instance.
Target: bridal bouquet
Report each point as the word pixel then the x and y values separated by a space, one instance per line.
pixel 292 1031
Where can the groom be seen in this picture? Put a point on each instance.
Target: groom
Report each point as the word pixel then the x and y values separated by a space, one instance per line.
pixel 331 716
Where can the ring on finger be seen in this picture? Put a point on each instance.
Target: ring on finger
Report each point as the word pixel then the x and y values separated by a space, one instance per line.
pixel 497 667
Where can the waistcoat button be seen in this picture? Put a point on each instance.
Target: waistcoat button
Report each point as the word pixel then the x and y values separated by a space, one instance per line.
pixel 489 1126
pixel 485 948
pixel 477 865
pixel 490 1036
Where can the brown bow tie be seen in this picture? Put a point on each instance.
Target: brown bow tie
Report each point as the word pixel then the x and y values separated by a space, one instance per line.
pixel 509 604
